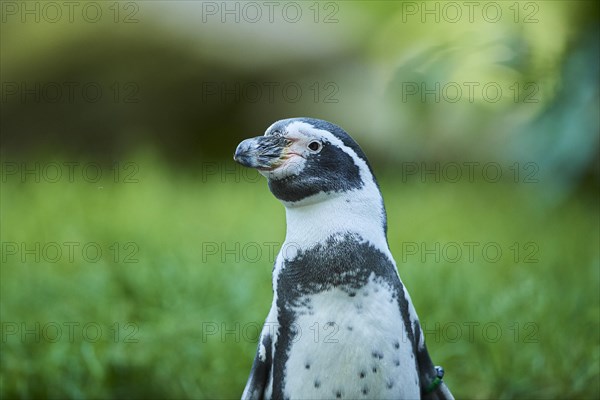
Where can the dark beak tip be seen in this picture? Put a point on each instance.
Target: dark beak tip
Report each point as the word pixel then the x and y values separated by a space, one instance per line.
pixel 238 159
pixel 240 153
pixel 257 152
pixel 241 161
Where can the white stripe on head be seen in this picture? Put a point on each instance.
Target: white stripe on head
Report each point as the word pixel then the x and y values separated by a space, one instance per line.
pixel 315 218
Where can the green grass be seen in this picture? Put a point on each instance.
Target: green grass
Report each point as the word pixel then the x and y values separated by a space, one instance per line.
pixel 547 311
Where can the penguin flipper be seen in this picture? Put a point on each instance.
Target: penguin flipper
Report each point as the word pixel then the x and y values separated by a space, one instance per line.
pixel 430 376
pixel 432 385
pixel 261 367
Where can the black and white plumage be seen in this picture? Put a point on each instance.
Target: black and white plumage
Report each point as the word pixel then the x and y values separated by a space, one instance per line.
pixel 342 324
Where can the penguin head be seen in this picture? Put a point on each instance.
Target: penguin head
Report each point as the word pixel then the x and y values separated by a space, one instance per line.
pixel 307 160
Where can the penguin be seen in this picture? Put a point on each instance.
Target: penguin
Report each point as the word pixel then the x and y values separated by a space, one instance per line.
pixel 341 323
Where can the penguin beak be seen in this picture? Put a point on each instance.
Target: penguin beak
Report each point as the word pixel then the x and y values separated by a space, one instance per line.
pixel 262 152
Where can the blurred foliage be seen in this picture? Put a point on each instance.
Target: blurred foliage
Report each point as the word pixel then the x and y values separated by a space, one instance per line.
pixel 158 111
pixel 541 55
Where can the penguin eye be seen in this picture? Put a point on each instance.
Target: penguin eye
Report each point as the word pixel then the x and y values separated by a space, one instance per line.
pixel 314 146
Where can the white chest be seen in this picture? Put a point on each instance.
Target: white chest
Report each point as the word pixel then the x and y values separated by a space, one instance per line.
pixel 350 345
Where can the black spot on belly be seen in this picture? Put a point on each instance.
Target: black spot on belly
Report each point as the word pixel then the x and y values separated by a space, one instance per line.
pixel 307 366
pixel 374 370
pixel 377 354
pixel 396 345
pixel 397 363
pixel 338 395
pixel 352 294
pixel 390 384
pixel 362 374
pixel 350 328
pixel 365 390
pixel 317 383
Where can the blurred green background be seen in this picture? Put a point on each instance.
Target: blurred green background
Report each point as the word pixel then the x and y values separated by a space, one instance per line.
pixel 136 257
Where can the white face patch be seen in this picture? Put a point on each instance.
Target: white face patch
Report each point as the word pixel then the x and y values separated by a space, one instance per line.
pixel 295 154
pixel 292 165
pixel 310 131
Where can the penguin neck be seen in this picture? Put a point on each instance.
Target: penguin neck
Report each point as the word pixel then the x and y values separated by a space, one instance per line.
pixel 320 217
